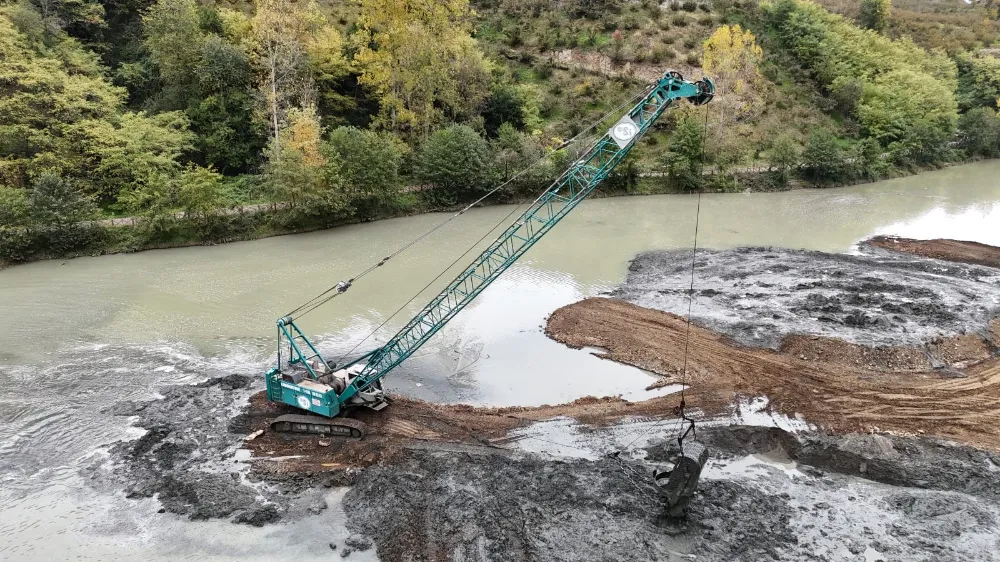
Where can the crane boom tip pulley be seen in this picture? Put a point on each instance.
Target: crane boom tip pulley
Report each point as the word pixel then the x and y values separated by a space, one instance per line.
pixel 304 379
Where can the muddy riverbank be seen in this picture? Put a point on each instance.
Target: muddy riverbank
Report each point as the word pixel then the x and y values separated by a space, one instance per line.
pixel 886 471
pixel 767 494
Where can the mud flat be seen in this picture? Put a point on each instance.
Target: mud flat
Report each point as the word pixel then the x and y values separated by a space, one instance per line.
pixel 757 296
pixel 767 494
pixel 893 359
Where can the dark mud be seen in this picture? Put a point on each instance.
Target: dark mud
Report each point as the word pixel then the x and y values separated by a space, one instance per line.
pixel 188 458
pixel 914 499
pixel 899 461
pixel 759 295
pixel 437 506
pixel 892 498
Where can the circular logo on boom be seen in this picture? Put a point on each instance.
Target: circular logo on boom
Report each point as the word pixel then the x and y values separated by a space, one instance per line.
pixel 303 402
pixel 624 131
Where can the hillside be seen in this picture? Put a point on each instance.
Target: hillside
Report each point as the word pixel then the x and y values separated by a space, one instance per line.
pixel 175 111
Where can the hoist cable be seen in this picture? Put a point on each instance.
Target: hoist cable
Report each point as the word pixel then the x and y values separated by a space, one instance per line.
pixel 428 285
pixel 687 333
pixel 499 223
pixel 687 336
pixel 342 286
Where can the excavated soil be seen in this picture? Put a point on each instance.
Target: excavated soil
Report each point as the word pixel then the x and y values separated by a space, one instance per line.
pixel 861 390
pixel 961 251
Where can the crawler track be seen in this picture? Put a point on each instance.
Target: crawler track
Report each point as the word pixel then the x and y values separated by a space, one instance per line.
pixel 316 425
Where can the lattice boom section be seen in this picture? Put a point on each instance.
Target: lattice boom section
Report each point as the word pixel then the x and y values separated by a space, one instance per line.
pixel 571 188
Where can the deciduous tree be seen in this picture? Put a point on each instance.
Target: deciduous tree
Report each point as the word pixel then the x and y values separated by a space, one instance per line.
pixel 684 157
pixel 368 163
pixel 732 58
pixel 412 55
pixel 54 201
pixel 174 39
pixel 282 32
pixel 456 160
pixel 875 14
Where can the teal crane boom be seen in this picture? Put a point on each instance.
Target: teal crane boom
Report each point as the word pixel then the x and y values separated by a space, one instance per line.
pixel 312 384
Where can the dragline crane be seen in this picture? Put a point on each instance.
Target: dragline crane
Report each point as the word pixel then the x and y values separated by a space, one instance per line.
pixel 304 379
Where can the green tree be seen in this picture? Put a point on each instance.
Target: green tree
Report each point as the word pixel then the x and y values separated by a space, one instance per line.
pixel 420 61
pixel 46 92
pixel 230 138
pixel 368 163
pixel 875 14
pixel 513 152
pixel 823 159
pixel 200 192
pixel 79 18
pixel 783 157
pixel 870 159
pixel 684 157
pixel 54 202
pixel 13 207
pixel 505 105
pixel 978 81
pixel 174 39
pixel 137 151
pixel 979 132
pixel 456 160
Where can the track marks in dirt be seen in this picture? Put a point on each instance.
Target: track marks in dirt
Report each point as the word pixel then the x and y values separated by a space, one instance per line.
pixel 839 393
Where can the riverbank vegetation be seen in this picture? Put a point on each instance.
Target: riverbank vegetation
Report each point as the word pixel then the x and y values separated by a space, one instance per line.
pixel 206 122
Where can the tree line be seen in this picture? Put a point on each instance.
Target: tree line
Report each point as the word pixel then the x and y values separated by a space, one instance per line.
pixel 154 109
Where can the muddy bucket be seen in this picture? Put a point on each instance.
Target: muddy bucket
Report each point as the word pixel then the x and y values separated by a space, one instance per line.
pixel 679 484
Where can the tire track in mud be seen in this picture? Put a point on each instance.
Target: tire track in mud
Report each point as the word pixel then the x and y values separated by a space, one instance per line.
pixel 836 395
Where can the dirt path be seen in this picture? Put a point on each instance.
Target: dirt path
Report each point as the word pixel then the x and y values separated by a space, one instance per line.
pixel 854 392
pixel 961 251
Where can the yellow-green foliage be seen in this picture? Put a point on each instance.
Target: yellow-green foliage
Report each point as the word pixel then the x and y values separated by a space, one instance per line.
pixel 904 90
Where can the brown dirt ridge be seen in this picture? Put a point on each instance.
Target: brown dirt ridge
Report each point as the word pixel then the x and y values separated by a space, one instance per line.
pixel 961 251
pixel 838 386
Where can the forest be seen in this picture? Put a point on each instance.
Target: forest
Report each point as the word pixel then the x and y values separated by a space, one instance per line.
pixel 132 124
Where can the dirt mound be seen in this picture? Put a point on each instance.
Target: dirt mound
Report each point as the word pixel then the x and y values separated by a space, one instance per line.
pixel 961 251
pixel 845 395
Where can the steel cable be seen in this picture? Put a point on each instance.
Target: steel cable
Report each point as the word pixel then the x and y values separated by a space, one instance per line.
pixel 342 286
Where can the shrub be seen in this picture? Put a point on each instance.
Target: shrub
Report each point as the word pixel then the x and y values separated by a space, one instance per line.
pixel 505 105
pixel 979 132
pixel 456 161
pixel 823 159
pixel 689 6
pixel 874 14
pixel 679 19
pixel 367 163
pixel 661 53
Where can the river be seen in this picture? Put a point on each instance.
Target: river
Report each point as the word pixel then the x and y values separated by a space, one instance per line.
pixel 84 333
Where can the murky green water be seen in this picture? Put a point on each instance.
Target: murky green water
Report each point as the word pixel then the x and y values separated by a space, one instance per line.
pixel 207 295
pixel 79 335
